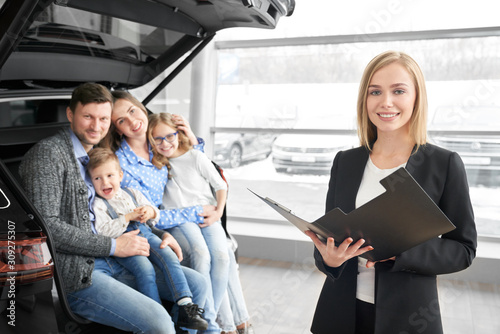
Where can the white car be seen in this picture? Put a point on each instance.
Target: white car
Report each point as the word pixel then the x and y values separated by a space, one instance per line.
pixel 477 141
pixel 309 153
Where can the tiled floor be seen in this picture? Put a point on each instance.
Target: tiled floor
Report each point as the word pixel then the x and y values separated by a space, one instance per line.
pixel 470 307
pixel 281 298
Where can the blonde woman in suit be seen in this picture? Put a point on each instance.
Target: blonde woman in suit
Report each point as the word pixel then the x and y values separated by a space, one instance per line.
pixel 397 295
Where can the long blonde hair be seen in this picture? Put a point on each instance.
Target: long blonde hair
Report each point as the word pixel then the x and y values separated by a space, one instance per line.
pixel 367 132
pixel 165 118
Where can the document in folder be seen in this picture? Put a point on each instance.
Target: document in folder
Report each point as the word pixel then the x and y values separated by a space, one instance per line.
pixel 397 220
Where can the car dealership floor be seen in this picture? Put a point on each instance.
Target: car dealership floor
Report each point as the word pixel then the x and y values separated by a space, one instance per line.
pixel 281 298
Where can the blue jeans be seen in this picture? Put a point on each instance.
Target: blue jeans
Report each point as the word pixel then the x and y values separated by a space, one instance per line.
pixel 233 310
pixel 113 300
pixel 207 255
pixel 142 268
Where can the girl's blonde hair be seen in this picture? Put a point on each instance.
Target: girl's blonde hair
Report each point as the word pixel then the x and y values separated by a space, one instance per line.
pixel 165 118
pixel 367 132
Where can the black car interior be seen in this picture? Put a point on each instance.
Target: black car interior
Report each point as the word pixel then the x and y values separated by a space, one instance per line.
pixel 43 60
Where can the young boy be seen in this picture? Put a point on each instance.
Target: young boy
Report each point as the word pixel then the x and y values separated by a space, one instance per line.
pixel 118 210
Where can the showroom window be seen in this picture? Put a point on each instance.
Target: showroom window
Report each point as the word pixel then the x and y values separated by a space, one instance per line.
pixel 286 106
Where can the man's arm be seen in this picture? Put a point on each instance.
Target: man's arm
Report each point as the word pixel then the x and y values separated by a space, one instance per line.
pixel 167 240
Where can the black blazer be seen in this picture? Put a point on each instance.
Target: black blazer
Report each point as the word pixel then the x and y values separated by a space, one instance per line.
pixel 406 297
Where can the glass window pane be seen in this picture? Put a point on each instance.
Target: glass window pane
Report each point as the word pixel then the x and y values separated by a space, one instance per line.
pixel 306 97
pixel 27 112
pixel 79 32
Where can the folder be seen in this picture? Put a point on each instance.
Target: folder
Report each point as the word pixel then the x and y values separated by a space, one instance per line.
pixel 402 217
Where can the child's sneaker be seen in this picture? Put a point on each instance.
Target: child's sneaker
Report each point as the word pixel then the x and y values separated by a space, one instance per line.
pixel 190 317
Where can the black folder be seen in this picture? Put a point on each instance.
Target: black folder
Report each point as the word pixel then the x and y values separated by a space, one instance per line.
pixel 397 220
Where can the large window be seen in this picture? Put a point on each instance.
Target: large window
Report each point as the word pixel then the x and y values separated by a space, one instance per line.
pixel 293 101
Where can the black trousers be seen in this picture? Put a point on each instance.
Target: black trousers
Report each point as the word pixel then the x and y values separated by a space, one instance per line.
pixel 365 317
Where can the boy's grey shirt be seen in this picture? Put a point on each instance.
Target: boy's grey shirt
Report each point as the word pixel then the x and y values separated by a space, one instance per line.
pixel 51 178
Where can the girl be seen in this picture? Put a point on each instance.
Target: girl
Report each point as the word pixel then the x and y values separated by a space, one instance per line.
pixel 193 176
pixel 399 294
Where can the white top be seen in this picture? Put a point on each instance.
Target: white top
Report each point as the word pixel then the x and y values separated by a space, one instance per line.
pixel 122 203
pixel 369 188
pixel 193 178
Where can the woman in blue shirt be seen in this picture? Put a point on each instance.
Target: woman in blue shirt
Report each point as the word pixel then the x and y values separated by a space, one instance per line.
pixel 127 137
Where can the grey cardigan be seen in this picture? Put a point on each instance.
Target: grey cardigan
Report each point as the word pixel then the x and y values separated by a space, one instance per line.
pixel 51 178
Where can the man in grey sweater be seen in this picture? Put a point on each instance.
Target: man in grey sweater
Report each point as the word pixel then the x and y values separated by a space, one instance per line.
pixel 55 179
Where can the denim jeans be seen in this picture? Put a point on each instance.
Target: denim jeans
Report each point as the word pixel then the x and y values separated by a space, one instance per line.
pixel 142 268
pixel 208 255
pixel 233 310
pixel 113 300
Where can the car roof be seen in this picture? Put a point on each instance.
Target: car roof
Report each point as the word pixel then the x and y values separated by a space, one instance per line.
pixel 119 43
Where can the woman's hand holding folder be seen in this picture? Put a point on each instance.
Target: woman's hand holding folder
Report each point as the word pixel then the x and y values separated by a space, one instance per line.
pixel 334 256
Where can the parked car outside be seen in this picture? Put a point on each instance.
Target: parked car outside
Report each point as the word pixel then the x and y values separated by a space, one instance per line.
pixel 480 149
pixel 47 48
pixel 233 149
pixel 305 153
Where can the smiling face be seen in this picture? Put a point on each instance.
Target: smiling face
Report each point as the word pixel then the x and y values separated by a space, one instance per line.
pixel 129 120
pixel 167 149
pixel 106 179
pixel 391 99
pixel 90 122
